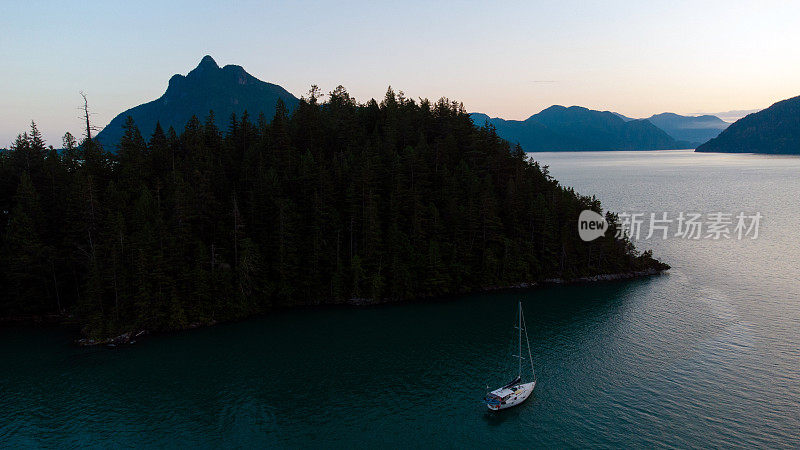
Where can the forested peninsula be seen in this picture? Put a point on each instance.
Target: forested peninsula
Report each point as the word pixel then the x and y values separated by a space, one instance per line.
pixel 336 202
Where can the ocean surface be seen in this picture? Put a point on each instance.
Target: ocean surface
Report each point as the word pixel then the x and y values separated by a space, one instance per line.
pixel 706 355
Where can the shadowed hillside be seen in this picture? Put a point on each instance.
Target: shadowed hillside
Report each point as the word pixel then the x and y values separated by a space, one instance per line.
pixel 693 129
pixel 772 130
pixel 228 90
pixel 558 128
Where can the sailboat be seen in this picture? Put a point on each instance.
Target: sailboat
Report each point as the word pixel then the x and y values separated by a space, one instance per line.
pixel 516 391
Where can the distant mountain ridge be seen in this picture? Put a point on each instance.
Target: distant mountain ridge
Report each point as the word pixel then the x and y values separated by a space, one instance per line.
pixel 622 116
pixel 693 129
pixel 576 128
pixel 207 87
pixel 773 130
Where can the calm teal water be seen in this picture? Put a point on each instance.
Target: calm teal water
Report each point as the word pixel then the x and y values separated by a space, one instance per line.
pixel 708 355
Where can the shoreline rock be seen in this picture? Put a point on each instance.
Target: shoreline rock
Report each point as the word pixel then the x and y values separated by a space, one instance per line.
pixel 605 277
pixel 124 338
pixel 131 336
pixel 523 285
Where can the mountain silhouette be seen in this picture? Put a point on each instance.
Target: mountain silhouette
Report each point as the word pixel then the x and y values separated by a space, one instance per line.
pixel 207 87
pixel 772 130
pixel 559 128
pixel 694 129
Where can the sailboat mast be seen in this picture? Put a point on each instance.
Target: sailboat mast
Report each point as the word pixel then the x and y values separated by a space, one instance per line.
pixel 519 346
pixel 528 342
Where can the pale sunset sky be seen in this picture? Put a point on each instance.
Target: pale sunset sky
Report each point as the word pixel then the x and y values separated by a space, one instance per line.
pixel 505 59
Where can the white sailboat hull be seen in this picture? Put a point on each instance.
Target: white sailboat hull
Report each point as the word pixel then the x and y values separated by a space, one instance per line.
pixel 520 395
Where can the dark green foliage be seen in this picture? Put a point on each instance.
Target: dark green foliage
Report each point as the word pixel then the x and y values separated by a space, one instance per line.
pixel 336 201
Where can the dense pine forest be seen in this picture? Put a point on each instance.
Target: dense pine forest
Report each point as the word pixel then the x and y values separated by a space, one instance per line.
pixel 336 202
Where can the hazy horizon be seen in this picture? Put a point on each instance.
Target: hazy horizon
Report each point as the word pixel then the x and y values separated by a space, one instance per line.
pixel 510 60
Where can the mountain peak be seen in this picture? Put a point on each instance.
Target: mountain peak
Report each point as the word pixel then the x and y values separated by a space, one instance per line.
pixel 206 67
pixel 209 62
pixel 226 91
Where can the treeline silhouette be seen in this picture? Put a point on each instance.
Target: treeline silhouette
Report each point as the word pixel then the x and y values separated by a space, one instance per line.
pixel 338 201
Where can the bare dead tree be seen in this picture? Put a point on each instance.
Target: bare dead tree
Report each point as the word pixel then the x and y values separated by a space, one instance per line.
pixel 85 116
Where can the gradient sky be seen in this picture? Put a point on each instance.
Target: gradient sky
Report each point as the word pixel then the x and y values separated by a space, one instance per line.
pixel 508 60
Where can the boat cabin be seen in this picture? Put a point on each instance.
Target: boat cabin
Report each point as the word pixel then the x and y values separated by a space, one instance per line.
pixel 500 396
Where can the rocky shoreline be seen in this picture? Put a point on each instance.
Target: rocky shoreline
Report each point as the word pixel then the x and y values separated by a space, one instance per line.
pixel 130 337
pixel 124 338
pixel 530 285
